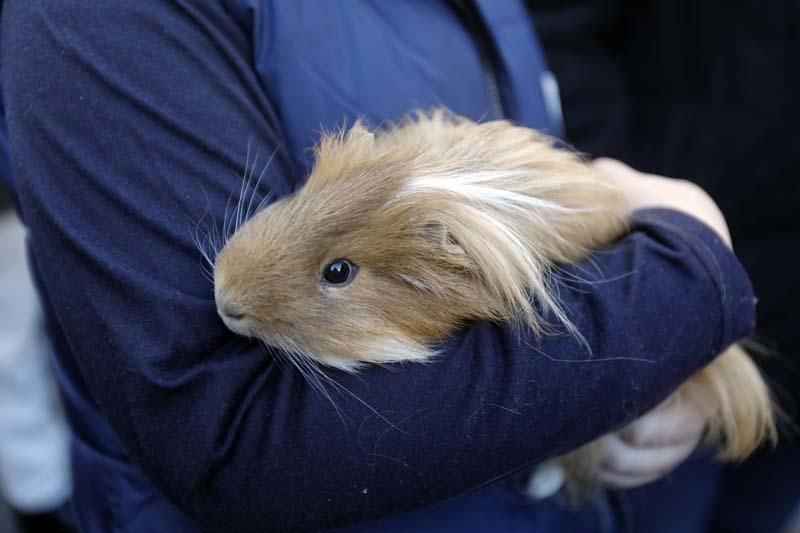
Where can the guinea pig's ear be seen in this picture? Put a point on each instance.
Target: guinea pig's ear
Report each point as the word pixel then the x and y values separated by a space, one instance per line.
pixel 341 155
pixel 358 135
pixel 437 233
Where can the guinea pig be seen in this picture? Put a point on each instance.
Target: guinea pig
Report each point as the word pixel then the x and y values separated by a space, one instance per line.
pixel 402 235
pixel 398 238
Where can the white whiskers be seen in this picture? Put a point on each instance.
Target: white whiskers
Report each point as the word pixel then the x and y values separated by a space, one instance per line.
pixel 211 241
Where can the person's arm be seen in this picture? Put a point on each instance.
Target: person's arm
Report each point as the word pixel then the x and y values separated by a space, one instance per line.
pixel 126 121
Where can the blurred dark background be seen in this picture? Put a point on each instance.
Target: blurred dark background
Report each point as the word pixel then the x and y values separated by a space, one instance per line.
pixel 5 199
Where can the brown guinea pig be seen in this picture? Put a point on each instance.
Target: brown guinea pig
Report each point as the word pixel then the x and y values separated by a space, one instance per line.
pixel 400 237
pixel 403 235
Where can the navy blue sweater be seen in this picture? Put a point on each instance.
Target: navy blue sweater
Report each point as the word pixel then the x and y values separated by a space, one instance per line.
pixel 129 126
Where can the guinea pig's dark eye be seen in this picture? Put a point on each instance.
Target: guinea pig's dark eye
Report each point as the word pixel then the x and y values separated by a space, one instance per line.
pixel 339 272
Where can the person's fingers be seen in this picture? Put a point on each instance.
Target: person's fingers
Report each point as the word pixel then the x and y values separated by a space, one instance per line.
pixel 671 423
pixel 612 167
pixel 626 459
pixel 643 191
pixel 624 464
pixel 617 173
pixel 615 481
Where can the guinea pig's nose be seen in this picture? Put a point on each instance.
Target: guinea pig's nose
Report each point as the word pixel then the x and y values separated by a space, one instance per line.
pixel 228 309
pixel 232 313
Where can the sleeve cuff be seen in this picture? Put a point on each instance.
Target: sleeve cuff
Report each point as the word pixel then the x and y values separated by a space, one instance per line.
pixel 737 299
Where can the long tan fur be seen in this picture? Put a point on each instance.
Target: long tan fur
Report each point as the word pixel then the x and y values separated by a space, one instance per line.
pixel 449 221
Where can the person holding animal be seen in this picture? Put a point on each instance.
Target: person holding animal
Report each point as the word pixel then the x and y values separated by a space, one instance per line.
pixel 125 123
pixel 472 221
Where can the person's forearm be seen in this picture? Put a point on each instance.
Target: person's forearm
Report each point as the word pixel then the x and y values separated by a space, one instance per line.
pixel 491 404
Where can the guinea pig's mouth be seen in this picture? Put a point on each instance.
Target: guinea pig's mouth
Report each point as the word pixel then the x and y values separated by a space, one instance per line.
pixel 244 325
pixel 238 324
pixel 233 317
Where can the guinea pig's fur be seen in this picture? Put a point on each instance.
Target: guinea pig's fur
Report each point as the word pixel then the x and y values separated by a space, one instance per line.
pixel 446 221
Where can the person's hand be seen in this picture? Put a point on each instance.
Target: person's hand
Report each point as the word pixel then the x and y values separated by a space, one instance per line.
pixel 653 445
pixel 648 191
